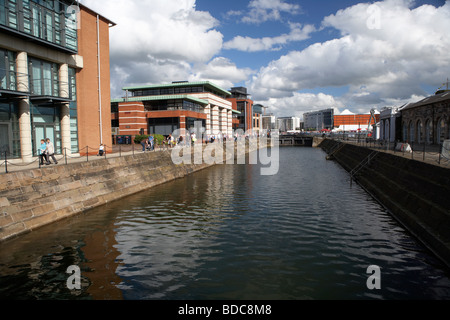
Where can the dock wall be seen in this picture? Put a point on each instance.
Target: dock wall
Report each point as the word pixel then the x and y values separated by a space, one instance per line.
pixel 34 198
pixel 417 194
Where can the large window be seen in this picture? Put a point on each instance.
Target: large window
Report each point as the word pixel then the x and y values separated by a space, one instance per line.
pixel 50 20
pixel 9 130
pixel 7 70
pixel 73 111
pixel 44 78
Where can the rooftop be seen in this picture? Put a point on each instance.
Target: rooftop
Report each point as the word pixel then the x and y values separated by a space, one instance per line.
pixel 444 96
pixel 181 84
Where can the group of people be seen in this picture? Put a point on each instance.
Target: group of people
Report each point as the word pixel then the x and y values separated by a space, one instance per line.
pixel 148 144
pixel 47 151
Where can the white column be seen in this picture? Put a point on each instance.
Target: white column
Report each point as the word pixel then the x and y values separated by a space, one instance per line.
pixel 208 119
pixel 24 108
pixel 65 109
pixel 215 120
pixel 224 121
pixel 230 122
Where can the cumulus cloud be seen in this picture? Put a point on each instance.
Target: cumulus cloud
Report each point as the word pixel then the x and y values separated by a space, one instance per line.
pixel 266 10
pixel 157 42
pixel 299 103
pixel 389 49
pixel 221 71
pixel 248 44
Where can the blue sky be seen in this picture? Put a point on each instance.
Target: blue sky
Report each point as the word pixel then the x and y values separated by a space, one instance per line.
pixel 293 56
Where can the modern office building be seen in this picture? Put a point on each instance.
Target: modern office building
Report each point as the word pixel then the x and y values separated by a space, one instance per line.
pixel 54 77
pixel 162 109
pixel 286 124
pixel 243 106
pixel 319 120
pixel 269 122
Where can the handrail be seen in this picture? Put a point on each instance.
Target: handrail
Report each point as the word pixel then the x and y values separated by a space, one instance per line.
pixel 362 165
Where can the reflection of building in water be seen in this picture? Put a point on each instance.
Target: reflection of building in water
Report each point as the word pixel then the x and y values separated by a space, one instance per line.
pixel 101 254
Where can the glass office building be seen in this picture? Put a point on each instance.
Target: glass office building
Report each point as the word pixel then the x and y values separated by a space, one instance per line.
pixel 39 66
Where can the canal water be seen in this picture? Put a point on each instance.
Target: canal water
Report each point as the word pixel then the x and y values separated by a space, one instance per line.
pixel 228 232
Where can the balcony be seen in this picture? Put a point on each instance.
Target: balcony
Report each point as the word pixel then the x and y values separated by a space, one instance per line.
pixel 49 24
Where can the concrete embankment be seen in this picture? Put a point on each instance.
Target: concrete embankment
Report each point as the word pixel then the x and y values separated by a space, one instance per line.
pixel 34 198
pixel 414 192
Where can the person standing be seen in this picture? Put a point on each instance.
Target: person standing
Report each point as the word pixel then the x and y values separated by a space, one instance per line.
pixel 43 153
pixel 50 150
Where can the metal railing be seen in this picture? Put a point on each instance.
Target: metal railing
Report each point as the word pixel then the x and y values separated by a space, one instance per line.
pixel 86 154
pixel 434 154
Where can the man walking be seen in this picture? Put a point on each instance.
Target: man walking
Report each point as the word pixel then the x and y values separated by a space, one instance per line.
pixel 50 152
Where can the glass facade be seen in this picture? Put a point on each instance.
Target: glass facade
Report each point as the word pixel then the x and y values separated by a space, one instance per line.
pixel 167 91
pixel 171 105
pixel 7 70
pixel 9 130
pixel 43 77
pixel 50 20
pixel 176 89
pixel 46 123
pixel 73 111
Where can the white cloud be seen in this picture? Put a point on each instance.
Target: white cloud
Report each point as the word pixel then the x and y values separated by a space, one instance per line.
pixel 408 49
pixel 299 103
pixel 266 10
pixel 156 42
pixel 222 72
pixel 298 33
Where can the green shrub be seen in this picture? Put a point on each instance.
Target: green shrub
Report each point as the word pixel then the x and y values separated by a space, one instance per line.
pixel 138 139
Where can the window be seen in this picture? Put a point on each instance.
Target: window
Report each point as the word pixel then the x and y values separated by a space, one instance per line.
pixel 440 131
pixel 7 70
pixel 429 132
pixel 44 78
pixel 49 20
pixel 412 137
pixel 420 132
pixel 73 111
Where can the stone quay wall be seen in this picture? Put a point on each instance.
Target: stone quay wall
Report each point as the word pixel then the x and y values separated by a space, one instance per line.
pixel 414 192
pixel 31 199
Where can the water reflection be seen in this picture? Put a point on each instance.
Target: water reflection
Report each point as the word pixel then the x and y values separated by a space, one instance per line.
pixel 229 233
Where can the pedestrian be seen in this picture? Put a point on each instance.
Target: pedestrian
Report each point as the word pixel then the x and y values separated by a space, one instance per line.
pixel 50 150
pixel 151 140
pixel 143 143
pixel 43 153
pixel 101 150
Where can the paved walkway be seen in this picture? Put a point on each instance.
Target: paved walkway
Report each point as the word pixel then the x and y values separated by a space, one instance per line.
pixel 426 153
pixel 14 165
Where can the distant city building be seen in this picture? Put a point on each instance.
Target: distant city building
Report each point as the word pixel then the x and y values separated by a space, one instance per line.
pixel 427 121
pixel 348 121
pixel 54 77
pixel 269 122
pixel 319 120
pixel 257 114
pixel 390 124
pixel 286 124
pixel 243 106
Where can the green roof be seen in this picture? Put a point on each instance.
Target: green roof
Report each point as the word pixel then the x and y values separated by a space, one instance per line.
pixel 180 84
pixel 159 98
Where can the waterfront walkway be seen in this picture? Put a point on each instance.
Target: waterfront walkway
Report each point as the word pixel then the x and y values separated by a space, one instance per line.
pixel 430 154
pixel 14 165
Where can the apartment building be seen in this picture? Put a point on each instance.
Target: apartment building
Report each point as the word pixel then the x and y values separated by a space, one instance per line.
pixel 54 77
